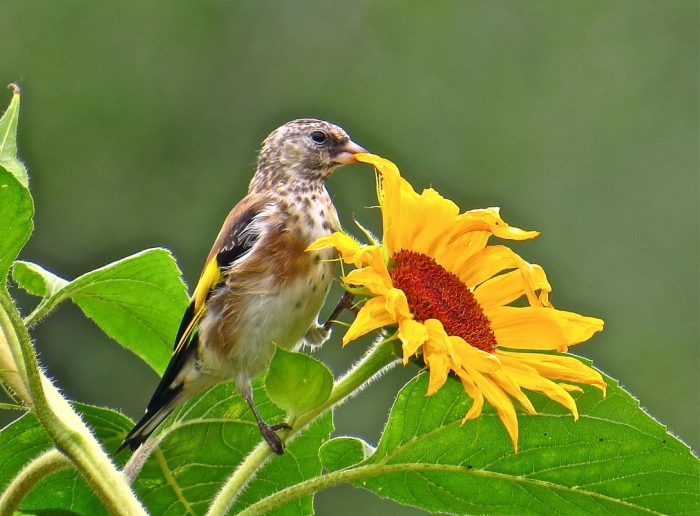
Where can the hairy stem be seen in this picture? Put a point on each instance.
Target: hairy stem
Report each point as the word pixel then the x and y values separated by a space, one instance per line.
pixel 48 462
pixel 373 363
pixel 313 485
pixel 42 310
pixel 62 423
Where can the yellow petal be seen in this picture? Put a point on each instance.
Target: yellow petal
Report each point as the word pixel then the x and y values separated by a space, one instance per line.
pixel 439 364
pixel 413 335
pixel 377 281
pixel 569 387
pixel 433 217
pixel 555 367
pixel 475 394
pixel 440 340
pixel 397 304
pixel 528 280
pixel 540 328
pixel 389 194
pixel 350 249
pixel 497 226
pixel 470 233
pixel 535 382
pixel 485 264
pixel 506 382
pixel 345 244
pixel 465 241
pixel 476 358
pixel 371 316
pixel 500 401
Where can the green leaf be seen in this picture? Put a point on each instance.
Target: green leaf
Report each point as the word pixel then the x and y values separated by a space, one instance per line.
pixel 297 382
pixel 202 442
pixel 8 140
pixel 36 280
pixel 138 300
pixel 16 212
pixel 343 452
pixel 25 438
pixel 615 459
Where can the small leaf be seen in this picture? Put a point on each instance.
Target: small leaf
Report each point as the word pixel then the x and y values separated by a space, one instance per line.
pixel 24 439
pixel 36 280
pixel 297 382
pixel 16 212
pixel 8 140
pixel 614 459
pixel 343 452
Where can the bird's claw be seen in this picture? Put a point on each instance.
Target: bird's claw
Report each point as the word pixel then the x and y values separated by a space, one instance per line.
pixel 317 335
pixel 268 433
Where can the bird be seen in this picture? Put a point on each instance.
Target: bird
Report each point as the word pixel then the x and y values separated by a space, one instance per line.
pixel 259 286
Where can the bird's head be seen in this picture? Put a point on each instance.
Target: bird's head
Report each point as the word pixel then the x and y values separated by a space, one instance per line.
pixel 306 149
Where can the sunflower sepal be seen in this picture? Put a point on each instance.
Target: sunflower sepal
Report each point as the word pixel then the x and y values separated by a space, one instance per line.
pixel 373 240
pixel 355 291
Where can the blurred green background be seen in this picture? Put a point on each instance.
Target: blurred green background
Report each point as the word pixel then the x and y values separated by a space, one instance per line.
pixel 140 123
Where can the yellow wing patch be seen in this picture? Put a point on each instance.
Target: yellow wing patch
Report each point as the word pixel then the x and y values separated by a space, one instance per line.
pixel 211 275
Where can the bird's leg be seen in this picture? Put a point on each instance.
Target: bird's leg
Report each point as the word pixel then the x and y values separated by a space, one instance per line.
pixel 345 303
pixel 267 431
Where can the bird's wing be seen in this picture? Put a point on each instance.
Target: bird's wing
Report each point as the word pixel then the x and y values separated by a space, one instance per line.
pixel 238 235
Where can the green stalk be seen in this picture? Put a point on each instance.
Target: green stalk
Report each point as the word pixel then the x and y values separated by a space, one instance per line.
pixel 374 362
pixel 43 309
pixel 48 462
pixel 336 478
pixel 62 423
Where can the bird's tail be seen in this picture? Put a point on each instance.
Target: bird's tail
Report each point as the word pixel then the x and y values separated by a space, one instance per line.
pixel 153 417
pixel 169 394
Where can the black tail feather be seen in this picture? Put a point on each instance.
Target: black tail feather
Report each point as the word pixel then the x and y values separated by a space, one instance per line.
pixel 165 398
pixel 158 409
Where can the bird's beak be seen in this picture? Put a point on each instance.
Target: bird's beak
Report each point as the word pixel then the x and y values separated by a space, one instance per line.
pixel 347 154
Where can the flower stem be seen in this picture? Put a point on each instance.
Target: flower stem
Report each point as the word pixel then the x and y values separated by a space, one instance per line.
pixel 311 486
pixel 61 422
pixel 42 310
pixel 48 462
pixel 375 361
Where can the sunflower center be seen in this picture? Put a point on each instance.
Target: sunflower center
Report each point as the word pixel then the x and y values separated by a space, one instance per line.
pixel 435 293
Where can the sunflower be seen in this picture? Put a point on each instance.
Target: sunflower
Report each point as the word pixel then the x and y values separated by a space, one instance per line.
pixel 451 296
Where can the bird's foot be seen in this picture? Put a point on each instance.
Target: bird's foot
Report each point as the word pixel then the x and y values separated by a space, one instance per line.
pixel 317 335
pixel 268 433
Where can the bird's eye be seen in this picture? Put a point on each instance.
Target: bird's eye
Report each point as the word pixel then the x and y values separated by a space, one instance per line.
pixel 319 137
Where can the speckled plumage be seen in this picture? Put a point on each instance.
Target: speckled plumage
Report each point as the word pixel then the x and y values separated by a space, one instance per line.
pixel 259 287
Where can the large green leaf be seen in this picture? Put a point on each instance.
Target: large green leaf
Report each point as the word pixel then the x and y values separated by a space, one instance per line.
pixel 200 445
pixel 138 300
pixel 614 459
pixel 203 441
pixel 16 212
pixel 25 438
pixel 16 205
pixel 8 139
